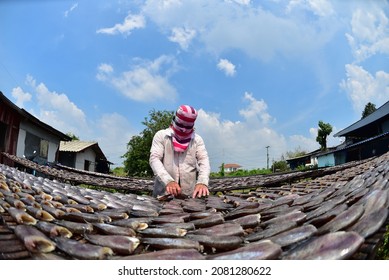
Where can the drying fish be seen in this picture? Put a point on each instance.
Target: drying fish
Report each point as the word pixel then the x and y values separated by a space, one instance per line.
pixel 171 243
pixel 40 214
pixel 142 213
pixel 33 239
pixel 217 243
pixel 112 229
pixel 120 244
pixel 168 211
pixel 370 223
pixel 21 217
pixel 187 226
pixel 225 229
pixel 295 235
pixel 212 220
pixel 244 212
pixel 4 204
pixel 331 246
pixel 202 214
pixel 168 219
pixel 74 227
pixel 294 216
pixel 86 217
pixel 168 254
pixel 343 220
pixel 248 221
pixel 57 213
pixel 78 198
pixel 80 207
pixel 375 200
pixel 134 223
pixel 54 230
pixel 270 231
pixel 82 250
pixel 327 216
pixel 163 232
pixel 115 215
pixel 17 203
pixel 264 250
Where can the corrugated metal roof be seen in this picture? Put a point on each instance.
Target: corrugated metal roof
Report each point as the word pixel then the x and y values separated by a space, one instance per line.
pixel 376 115
pixel 75 146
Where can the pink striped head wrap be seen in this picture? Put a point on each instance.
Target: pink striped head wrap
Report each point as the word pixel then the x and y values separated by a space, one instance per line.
pixel 183 127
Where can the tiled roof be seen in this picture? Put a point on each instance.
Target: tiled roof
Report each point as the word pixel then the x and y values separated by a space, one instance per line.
pixel 75 146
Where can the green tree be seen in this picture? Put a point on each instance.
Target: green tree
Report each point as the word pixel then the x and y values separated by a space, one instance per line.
pixel 369 108
pixel 136 159
pixel 324 130
pixel 280 166
pixel 297 152
pixel 71 135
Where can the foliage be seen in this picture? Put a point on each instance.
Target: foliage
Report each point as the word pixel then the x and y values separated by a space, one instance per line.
pixel 324 130
pixel 222 170
pixel 242 172
pixel 119 171
pixel 296 153
pixel 369 108
pixel 383 250
pixel 74 137
pixel 280 166
pixel 136 159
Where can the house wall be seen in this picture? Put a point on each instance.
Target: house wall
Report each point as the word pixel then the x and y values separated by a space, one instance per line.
pixel 326 160
pixel 28 128
pixel 88 155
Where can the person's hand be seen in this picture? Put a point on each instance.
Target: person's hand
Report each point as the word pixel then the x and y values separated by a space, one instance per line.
pixel 173 188
pixel 200 190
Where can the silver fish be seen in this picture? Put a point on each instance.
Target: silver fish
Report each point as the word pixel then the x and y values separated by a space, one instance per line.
pixel 33 239
pixel 217 243
pixel 171 243
pixel 120 244
pixel 264 250
pixel 343 220
pixel 331 246
pixel 167 254
pixel 53 230
pixel 370 223
pixel 294 235
pixel 84 251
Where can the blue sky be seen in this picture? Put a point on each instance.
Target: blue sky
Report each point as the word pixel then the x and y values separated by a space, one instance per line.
pixel 260 73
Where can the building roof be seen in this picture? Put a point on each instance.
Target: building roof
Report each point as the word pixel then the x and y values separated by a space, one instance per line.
pixel 232 165
pixel 26 116
pixel 76 146
pixel 381 113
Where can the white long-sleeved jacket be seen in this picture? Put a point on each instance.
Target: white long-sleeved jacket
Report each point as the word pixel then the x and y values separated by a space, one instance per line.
pixel 188 168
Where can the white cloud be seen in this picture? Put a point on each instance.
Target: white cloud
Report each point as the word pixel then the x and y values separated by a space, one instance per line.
pixel 147 81
pixel 370 33
pixel 117 133
pixel 256 110
pixel 227 67
pixel 320 8
pixel 182 36
pixel 259 33
pixel 72 8
pixel 130 23
pixel 20 96
pixel 243 142
pixel 362 87
pixel 57 110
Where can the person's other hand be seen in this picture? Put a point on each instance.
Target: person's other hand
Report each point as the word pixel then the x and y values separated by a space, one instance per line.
pixel 173 188
pixel 200 190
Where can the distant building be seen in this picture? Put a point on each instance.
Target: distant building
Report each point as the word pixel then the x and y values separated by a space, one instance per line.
pixel 365 138
pixel 84 156
pixel 307 160
pixel 23 135
pixel 231 167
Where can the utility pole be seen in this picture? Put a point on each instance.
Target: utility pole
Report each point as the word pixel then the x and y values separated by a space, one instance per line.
pixel 267 154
